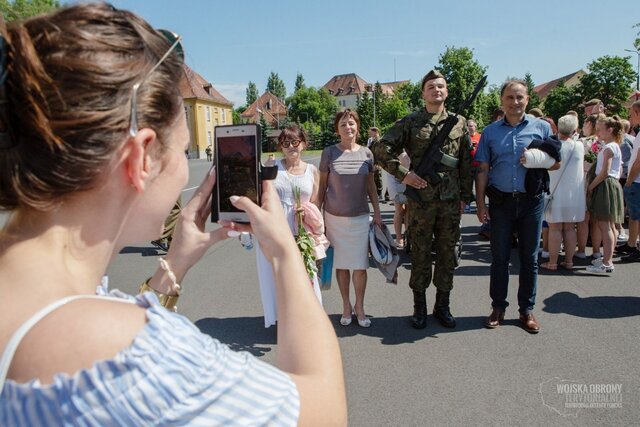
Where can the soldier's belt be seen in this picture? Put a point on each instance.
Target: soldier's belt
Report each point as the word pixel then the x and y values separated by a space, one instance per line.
pixel 449 161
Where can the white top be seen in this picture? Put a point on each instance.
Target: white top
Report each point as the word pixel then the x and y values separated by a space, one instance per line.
pixel 616 161
pixel 568 203
pixel 285 183
pixel 171 374
pixel 634 156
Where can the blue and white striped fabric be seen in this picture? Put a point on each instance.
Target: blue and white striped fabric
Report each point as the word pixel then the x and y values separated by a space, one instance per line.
pixel 172 374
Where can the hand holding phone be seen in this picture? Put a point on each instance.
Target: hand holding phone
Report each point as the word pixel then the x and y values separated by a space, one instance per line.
pixel 237 159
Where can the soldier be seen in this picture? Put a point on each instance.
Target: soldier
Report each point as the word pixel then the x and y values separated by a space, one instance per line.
pixel 435 219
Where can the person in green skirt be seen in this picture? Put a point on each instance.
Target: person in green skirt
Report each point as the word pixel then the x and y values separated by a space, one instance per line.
pixel 604 194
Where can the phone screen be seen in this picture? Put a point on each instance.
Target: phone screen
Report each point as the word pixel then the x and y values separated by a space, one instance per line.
pixel 237 169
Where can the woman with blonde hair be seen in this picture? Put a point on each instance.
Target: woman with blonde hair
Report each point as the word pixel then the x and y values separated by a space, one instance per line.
pixel 346 181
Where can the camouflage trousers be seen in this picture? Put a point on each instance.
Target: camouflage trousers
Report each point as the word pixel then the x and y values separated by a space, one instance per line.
pixel 433 223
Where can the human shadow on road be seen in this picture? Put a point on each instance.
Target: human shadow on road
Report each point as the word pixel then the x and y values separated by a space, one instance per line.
pixel 599 307
pixel 240 333
pixel 394 330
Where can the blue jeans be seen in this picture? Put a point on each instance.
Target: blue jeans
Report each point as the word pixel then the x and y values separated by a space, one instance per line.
pixel 524 217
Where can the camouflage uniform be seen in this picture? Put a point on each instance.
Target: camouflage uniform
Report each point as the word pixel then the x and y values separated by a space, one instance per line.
pixel 437 217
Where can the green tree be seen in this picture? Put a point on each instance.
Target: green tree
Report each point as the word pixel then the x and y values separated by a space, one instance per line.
pixel 411 94
pixel 21 9
pixel 610 79
pixel 534 99
pixel 636 43
pixel 491 103
pixel 299 83
pixel 462 72
pixel 265 128
pixel 236 114
pixel 560 100
pixel 252 93
pixel 311 105
pixel 275 85
pixel 364 108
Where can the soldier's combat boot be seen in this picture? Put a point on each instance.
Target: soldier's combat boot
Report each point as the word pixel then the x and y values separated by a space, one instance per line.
pixel 441 310
pixel 419 318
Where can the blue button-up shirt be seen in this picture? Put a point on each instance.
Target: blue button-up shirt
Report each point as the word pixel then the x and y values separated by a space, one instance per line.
pixel 502 145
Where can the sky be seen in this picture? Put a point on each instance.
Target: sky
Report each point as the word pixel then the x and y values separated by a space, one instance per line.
pixel 233 42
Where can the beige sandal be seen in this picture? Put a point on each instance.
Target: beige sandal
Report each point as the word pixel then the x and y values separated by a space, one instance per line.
pixel 549 266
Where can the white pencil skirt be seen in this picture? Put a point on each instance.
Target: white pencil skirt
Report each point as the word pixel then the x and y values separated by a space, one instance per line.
pixel 349 237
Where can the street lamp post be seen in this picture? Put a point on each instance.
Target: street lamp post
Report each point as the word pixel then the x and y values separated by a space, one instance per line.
pixel 373 94
pixel 637 52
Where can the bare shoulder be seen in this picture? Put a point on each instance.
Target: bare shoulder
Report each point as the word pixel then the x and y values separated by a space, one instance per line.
pixel 75 336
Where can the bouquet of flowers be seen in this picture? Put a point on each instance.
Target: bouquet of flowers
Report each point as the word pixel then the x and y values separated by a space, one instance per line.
pixel 304 241
pixel 592 154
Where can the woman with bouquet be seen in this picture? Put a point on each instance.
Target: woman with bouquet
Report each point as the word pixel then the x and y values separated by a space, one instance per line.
pixel 297 186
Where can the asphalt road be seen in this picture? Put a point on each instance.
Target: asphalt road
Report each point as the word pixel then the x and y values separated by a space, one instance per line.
pixel 585 355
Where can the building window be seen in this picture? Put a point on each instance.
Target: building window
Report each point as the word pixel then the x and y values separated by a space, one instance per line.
pixel 208 114
pixel 224 116
pixel 209 138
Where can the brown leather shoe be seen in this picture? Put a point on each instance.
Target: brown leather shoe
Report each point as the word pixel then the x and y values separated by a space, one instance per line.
pixel 495 318
pixel 529 323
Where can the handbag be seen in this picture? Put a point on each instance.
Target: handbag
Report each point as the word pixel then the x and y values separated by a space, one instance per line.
pixel 549 199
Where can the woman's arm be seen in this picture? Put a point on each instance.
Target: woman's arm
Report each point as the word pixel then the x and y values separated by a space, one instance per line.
pixel 307 345
pixel 316 185
pixel 322 189
pixel 372 191
pixel 604 172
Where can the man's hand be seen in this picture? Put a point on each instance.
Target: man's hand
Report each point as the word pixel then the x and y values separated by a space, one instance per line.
pixel 483 214
pixel 414 180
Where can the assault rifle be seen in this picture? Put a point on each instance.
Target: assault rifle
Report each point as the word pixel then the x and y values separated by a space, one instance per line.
pixel 433 158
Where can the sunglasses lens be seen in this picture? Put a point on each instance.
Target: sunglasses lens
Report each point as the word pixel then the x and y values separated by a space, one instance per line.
pixel 173 38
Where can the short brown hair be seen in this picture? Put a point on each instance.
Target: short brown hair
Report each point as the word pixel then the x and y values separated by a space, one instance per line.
pixel 431 75
pixel 70 78
pixel 292 132
pixel 344 114
pixel 636 105
pixel 513 82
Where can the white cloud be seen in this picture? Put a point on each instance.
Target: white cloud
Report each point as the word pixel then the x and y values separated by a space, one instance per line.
pixel 234 92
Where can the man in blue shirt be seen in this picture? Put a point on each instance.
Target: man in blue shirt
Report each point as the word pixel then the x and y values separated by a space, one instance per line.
pixel 502 176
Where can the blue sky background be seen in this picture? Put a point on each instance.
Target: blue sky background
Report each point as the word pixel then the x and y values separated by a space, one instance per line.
pixel 232 42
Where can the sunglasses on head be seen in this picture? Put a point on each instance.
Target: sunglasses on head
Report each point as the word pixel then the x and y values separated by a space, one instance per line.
pixel 176 45
pixel 287 143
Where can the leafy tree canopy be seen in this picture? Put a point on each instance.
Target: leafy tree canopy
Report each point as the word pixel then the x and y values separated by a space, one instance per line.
pixel 21 9
pixel 252 93
pixel 275 85
pixel 462 72
pixel 610 79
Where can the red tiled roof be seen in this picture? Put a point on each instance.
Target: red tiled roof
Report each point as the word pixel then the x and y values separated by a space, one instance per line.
pixel 346 84
pixel 543 89
pixel 195 86
pixel 389 88
pixel 272 108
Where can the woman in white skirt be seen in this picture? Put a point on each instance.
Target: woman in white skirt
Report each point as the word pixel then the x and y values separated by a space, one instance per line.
pixel 567 204
pixel 293 173
pixel 346 180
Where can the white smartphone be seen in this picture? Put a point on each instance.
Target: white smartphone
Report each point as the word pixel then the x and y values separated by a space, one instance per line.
pixel 237 159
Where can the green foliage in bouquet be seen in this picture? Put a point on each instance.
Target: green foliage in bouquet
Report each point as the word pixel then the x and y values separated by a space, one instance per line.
pixel 303 240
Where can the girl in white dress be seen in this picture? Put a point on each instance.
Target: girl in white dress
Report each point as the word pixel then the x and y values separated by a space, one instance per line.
pixel 293 173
